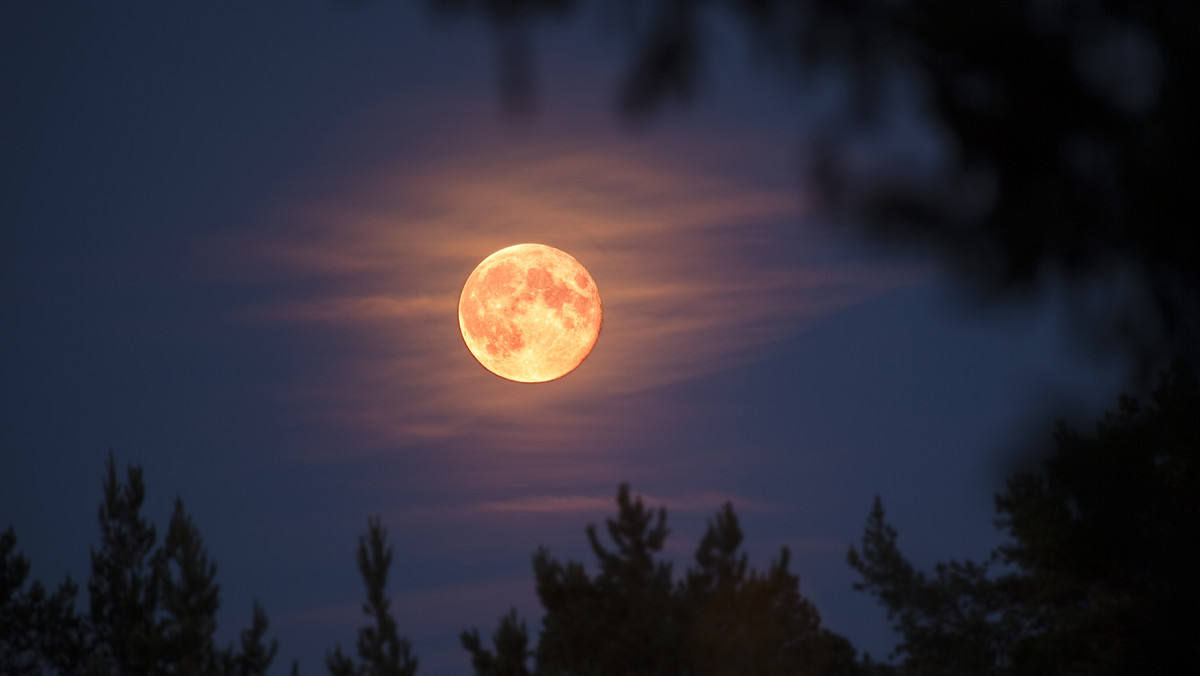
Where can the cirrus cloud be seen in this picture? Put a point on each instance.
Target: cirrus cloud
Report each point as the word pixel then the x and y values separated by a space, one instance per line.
pixel 687 259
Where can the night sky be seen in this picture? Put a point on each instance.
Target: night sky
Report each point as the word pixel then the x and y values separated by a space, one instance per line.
pixel 233 243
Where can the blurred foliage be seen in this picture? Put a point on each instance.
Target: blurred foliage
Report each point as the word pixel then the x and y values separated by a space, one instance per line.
pixel 1099 573
pixel 1067 130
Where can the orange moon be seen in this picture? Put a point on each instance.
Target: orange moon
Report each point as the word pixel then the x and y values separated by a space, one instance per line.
pixel 530 313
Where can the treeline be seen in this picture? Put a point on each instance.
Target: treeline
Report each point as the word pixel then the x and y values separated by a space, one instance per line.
pixel 1099 574
pixel 151 606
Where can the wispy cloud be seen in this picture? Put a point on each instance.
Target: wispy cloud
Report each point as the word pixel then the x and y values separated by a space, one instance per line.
pixel 687 260
pixel 707 501
pixel 572 505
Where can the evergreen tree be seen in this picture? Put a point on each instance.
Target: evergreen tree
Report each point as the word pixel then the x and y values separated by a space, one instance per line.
pixel 255 657
pixel 123 587
pixel 632 618
pixel 511 643
pixel 38 631
pixel 1099 573
pixel 1107 537
pixel 741 621
pixel 152 611
pixel 189 598
pixel 625 621
pixel 950 623
pixel 381 651
pixel 18 631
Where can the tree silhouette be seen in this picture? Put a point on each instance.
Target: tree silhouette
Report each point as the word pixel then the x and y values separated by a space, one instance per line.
pixel 623 621
pixel 1099 574
pixel 152 611
pixel 189 597
pixel 1109 535
pixel 123 587
pixel 381 651
pixel 1067 131
pixel 510 641
pixel 38 631
pixel 753 623
pixel 255 657
pixel 949 623
pixel 633 618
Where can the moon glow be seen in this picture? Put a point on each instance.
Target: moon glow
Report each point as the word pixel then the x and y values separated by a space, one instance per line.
pixel 530 313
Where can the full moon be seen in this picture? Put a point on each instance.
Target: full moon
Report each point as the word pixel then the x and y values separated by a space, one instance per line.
pixel 530 313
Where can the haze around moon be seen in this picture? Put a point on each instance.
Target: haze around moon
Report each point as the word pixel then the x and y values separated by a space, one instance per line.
pixel 530 313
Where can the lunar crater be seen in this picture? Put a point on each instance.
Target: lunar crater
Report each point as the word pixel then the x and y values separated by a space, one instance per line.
pixel 530 313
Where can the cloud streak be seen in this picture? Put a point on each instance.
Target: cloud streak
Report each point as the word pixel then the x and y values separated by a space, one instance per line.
pixel 572 505
pixel 687 260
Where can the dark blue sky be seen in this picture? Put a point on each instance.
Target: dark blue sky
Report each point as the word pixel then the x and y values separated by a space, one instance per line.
pixel 233 241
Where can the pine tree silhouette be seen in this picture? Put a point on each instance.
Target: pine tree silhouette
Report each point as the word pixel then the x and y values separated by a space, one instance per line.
pixel 381 651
